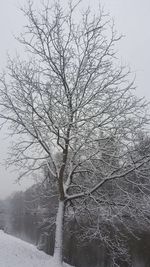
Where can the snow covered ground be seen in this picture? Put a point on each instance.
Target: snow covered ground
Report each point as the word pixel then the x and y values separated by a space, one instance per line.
pixel 17 253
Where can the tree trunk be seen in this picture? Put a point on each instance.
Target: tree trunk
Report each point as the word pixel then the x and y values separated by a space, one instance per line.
pixel 58 246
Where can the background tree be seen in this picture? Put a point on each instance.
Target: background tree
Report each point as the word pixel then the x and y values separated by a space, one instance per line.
pixel 71 100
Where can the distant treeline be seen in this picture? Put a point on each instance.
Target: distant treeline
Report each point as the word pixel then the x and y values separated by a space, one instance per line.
pixel 30 217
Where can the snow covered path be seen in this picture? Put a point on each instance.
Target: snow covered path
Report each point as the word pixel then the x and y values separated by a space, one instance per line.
pixel 17 253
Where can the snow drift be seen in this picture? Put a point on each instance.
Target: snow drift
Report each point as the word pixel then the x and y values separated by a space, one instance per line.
pixel 17 253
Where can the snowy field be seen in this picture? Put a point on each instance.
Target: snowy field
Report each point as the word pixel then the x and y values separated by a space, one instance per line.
pixel 17 253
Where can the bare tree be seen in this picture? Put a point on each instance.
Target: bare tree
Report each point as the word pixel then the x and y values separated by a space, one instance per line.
pixel 71 99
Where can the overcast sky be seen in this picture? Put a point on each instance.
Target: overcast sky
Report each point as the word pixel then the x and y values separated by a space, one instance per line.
pixel 132 19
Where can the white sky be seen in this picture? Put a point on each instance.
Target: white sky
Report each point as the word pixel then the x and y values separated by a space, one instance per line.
pixel 132 19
